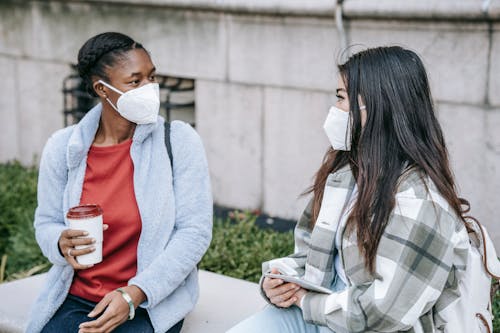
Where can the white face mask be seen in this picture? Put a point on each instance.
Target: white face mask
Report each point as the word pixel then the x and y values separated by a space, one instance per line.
pixel 338 129
pixel 140 105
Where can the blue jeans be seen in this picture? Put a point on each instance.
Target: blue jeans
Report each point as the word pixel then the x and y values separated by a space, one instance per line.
pixel 74 311
pixel 290 320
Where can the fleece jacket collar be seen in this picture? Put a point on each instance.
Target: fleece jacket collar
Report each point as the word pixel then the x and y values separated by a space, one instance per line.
pixel 84 133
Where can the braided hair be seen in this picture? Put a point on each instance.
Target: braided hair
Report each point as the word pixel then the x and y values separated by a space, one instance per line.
pixel 101 52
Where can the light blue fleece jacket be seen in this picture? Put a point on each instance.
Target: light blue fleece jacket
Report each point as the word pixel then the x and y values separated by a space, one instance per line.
pixel 176 216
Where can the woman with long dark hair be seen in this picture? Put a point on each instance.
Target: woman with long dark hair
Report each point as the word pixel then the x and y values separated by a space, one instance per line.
pixel 385 229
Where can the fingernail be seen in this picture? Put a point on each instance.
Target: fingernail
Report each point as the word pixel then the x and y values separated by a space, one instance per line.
pixel 92 248
pixel 91 265
pixel 93 240
pixel 85 233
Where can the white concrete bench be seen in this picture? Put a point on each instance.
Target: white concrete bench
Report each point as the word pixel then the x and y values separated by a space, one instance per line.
pixel 223 302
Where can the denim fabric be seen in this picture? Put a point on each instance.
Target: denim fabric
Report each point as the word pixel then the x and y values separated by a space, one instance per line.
pixel 272 319
pixel 290 320
pixel 74 311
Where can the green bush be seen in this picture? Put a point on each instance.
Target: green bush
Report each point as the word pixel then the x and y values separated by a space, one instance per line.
pixel 18 248
pixel 239 247
pixel 496 311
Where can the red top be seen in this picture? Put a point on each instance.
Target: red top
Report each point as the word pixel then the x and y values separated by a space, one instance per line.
pixel 109 183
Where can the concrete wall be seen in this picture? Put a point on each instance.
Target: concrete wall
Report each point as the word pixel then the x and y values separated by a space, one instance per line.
pixel 265 75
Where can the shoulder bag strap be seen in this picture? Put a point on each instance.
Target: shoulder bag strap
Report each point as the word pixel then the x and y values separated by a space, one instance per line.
pixel 168 144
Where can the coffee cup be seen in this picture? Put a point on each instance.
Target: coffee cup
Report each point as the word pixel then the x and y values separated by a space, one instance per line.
pixel 89 219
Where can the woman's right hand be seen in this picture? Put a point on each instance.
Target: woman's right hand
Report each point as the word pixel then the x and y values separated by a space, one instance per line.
pixel 69 239
pixel 279 293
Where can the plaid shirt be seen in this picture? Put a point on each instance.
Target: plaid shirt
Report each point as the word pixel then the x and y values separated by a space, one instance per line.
pixel 420 252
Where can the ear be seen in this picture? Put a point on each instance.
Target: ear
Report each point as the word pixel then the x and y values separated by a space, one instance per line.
pixel 99 89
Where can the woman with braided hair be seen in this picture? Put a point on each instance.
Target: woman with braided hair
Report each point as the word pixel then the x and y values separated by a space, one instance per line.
pixel 157 214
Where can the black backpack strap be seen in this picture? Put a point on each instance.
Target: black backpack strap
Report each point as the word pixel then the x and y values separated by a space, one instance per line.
pixel 168 144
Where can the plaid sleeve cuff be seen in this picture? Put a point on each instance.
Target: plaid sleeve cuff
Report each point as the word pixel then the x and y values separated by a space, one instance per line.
pixel 316 307
pixel 313 308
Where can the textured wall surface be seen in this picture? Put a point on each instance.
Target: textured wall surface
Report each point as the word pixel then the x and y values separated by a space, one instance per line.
pixel 265 76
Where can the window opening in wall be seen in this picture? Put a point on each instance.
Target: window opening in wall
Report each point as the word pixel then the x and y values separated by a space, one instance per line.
pixel 176 99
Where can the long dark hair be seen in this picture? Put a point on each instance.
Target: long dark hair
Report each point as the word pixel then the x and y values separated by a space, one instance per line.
pixel 100 53
pixel 401 131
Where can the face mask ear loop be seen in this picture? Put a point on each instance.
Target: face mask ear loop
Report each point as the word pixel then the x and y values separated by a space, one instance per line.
pixel 112 105
pixel 111 87
pixel 348 133
pixel 115 90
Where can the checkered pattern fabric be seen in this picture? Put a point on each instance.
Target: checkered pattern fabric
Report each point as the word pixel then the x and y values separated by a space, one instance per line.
pixel 420 253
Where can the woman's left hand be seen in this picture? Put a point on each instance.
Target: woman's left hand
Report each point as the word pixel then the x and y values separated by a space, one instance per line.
pixel 298 295
pixel 114 309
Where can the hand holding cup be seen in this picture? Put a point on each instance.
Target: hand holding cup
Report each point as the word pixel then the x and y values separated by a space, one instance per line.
pixel 81 245
pixel 71 238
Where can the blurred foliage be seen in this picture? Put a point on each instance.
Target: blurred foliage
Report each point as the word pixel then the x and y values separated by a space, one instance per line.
pixel 238 246
pixel 18 248
pixel 496 311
